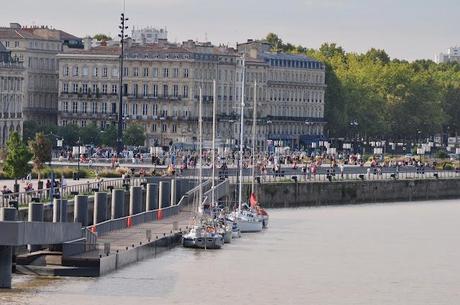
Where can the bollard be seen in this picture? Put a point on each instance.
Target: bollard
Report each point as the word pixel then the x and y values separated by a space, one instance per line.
pixel 151 197
pixel 60 210
pixel 80 210
pixel 6 252
pixel 100 207
pixel 173 192
pixel 164 194
pixel 118 201
pixel 35 214
pixel 135 200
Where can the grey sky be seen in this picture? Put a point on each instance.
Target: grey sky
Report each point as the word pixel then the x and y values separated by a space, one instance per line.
pixel 408 29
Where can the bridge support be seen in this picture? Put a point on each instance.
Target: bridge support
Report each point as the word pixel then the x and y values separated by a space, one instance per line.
pixel 173 192
pixel 135 200
pixel 60 210
pixel 6 252
pixel 35 214
pixel 118 204
pixel 164 194
pixel 80 210
pixel 100 207
pixel 151 197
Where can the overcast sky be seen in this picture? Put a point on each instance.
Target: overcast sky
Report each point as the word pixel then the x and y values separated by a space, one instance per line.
pixel 406 29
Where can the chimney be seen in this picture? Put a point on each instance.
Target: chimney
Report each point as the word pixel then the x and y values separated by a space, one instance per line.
pixel 87 41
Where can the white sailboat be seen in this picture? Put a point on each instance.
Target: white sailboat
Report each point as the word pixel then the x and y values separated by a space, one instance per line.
pixel 204 234
pixel 247 220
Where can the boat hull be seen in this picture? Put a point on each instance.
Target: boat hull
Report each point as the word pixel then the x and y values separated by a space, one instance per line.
pixel 210 242
pixel 249 226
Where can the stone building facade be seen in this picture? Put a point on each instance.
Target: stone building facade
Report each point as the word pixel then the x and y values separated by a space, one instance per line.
pixel 161 91
pixel 11 95
pixel 36 48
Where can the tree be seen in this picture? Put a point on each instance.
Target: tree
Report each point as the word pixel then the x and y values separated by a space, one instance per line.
pixel 17 160
pixel 69 133
pixel 102 37
pixel 90 134
pixel 109 136
pixel 275 41
pixel 41 149
pixel 134 135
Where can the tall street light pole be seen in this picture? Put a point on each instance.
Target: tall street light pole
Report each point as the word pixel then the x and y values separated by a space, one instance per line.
pixel 122 36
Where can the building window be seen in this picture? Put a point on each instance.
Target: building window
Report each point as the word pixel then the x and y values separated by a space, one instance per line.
pixel 165 90
pixel 104 89
pixel 95 90
pixel 65 87
pixel 185 73
pixel 154 127
pixel 135 72
pixel 83 123
pixel 74 107
pixel 134 109
pixel 64 122
pixel 104 72
pixel 95 72
pixel 155 90
pixel 176 90
pixel 66 106
pixel 155 72
pixel 114 89
pixel 174 128
pixel 146 72
pixel 16 44
pixel 176 72
pixel 66 71
pixel 145 109
pixel 85 88
pixel 125 71
pixel 94 107
pixel 104 107
pixel 163 128
pixel 185 92
pixel 84 71
pixel 165 72
pixel 75 71
pixel 75 88
pixel 115 72
pixel 85 107
pixel 135 89
pixel 146 89
pixel 114 107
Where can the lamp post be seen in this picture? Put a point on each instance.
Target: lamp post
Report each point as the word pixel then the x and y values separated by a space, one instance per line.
pixel 122 36
pixel 354 125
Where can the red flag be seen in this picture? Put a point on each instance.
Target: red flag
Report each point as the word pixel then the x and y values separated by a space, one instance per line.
pixel 253 200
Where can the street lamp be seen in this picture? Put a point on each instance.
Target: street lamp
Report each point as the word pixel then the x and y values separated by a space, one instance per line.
pixel 354 125
pixel 122 36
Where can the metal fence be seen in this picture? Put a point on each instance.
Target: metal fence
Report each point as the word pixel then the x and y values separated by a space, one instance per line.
pixel 45 195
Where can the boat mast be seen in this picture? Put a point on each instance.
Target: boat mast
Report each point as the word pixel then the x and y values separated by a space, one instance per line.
pixel 254 116
pixel 200 151
pixel 240 190
pixel 213 143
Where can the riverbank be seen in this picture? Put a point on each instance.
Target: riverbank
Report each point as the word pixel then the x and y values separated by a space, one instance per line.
pixel 285 195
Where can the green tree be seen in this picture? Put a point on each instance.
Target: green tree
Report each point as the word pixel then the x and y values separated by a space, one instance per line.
pixel 90 134
pixel 102 37
pixel 109 136
pixel 69 133
pixel 41 149
pixel 134 135
pixel 17 160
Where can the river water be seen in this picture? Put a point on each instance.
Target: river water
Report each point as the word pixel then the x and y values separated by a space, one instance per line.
pixel 402 253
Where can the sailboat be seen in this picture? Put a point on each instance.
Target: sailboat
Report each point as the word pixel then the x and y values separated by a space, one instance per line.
pixel 247 220
pixel 254 205
pixel 204 234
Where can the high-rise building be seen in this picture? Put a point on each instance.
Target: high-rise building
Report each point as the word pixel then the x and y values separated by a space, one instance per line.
pixel 36 48
pixel 149 35
pixel 11 95
pixel 452 55
pixel 161 91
